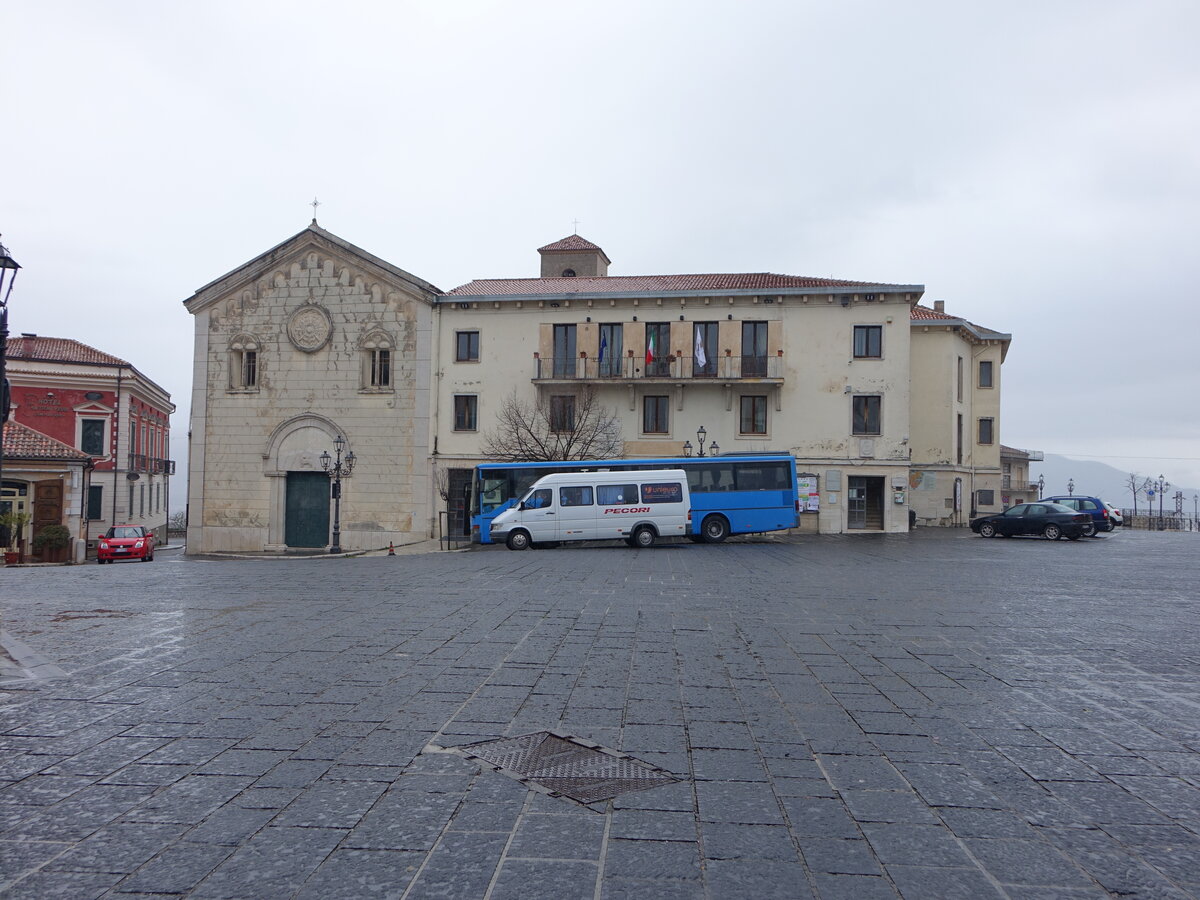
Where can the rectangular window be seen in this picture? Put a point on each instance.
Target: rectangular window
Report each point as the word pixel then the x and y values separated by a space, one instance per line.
pixel 612 494
pixel 611 349
pixel 958 440
pixel 658 348
pixel 249 368
pixel 866 417
pixel 754 349
pixel 575 496
pixel 662 492
pixel 466 412
pixel 986 498
pixel 95 501
pixel 959 379
pixel 655 418
pixel 562 413
pixel 565 351
pixel 130 506
pixel 466 346
pixel 985 431
pixel 985 373
pixel 91 439
pixel 381 368
pixel 704 349
pixel 754 415
pixel 868 341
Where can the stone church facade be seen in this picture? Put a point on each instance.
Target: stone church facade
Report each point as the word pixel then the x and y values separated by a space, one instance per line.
pixel 890 407
pixel 313 340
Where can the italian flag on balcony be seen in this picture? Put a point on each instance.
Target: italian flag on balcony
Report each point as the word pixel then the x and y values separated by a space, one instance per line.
pixel 650 349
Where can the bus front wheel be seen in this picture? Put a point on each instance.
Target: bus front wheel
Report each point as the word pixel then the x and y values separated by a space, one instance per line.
pixel 715 529
pixel 518 540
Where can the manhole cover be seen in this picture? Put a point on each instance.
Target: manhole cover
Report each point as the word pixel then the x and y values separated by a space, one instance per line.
pixel 569 766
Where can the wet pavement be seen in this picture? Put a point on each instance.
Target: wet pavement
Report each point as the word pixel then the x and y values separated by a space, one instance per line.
pixel 924 715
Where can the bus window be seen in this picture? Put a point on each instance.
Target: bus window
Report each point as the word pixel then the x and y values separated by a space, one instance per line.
pixel 763 477
pixel 612 494
pixel 575 496
pixel 492 493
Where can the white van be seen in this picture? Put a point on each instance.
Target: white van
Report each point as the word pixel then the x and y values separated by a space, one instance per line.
pixel 637 506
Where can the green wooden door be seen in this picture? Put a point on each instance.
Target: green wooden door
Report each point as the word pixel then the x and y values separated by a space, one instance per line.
pixel 307 518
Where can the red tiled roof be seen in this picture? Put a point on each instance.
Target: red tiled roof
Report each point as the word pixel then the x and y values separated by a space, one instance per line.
pixel 570 242
pixel 49 349
pixel 650 284
pixel 22 442
pixel 924 312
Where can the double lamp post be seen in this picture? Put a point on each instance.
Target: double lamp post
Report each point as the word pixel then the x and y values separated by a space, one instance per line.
pixel 337 468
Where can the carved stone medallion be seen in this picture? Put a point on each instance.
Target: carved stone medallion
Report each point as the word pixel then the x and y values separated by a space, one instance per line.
pixel 309 328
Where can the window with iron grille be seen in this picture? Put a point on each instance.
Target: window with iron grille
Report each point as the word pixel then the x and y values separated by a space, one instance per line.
pixel 466 412
pixel 754 415
pixel 655 415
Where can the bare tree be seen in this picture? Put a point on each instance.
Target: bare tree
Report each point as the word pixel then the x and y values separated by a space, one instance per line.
pixel 441 481
pixel 565 426
pixel 1134 485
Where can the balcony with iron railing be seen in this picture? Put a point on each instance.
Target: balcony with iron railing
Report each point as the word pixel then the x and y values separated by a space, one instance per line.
pixel 722 369
pixel 151 465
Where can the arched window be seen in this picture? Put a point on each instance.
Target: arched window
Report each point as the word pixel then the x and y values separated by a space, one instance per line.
pixel 377 358
pixel 243 363
pixel 568 273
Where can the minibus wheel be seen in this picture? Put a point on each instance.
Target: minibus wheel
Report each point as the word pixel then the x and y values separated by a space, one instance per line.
pixel 644 537
pixel 518 540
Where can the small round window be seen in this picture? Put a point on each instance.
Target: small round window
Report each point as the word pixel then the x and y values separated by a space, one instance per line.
pixel 568 273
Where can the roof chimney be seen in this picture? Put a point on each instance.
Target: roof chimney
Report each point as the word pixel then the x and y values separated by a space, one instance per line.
pixel 939 306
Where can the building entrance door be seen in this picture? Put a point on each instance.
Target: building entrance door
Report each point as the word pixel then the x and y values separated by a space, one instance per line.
pixel 306 521
pixel 864 502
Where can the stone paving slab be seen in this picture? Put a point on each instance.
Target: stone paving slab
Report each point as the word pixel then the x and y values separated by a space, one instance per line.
pixel 922 715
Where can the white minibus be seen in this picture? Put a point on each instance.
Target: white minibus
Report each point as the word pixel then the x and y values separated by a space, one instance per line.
pixel 636 506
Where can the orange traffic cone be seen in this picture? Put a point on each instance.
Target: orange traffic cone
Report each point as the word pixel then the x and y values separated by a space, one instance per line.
pixel 391 549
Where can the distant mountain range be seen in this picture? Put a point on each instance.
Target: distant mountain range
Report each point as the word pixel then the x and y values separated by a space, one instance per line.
pixel 1097 479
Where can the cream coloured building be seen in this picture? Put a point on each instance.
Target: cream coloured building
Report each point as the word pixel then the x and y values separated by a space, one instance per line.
pixel 853 377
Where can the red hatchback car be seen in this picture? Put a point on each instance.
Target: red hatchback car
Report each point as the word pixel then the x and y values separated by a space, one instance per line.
pixel 125 542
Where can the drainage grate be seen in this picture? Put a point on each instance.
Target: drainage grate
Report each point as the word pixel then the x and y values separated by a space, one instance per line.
pixel 564 765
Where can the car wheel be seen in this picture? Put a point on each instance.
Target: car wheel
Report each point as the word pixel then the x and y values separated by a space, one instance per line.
pixel 518 540
pixel 1112 526
pixel 1089 530
pixel 644 537
pixel 715 529
pixel 1052 532
pixel 987 529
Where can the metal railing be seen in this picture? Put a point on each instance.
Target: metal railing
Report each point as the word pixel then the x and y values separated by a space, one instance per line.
pixel 629 368
pixel 140 462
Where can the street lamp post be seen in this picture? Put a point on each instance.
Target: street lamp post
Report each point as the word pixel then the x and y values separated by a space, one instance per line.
pixel 1041 483
pixel 701 437
pixel 8 273
pixel 1070 487
pixel 338 469
pixel 1161 487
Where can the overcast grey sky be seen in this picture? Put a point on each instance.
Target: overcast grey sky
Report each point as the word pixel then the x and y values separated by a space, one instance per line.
pixel 1034 164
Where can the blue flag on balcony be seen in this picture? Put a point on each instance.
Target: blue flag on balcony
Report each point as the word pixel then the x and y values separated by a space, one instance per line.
pixel 603 347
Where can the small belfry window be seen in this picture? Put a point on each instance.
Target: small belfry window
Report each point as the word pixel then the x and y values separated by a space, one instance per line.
pixel 243 363
pixel 568 273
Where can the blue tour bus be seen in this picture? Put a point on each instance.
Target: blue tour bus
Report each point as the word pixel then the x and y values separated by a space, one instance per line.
pixel 732 494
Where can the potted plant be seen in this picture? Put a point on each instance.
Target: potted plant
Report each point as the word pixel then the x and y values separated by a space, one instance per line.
pixel 51 541
pixel 14 523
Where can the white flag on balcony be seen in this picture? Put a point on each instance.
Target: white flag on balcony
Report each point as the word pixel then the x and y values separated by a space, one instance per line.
pixel 701 359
